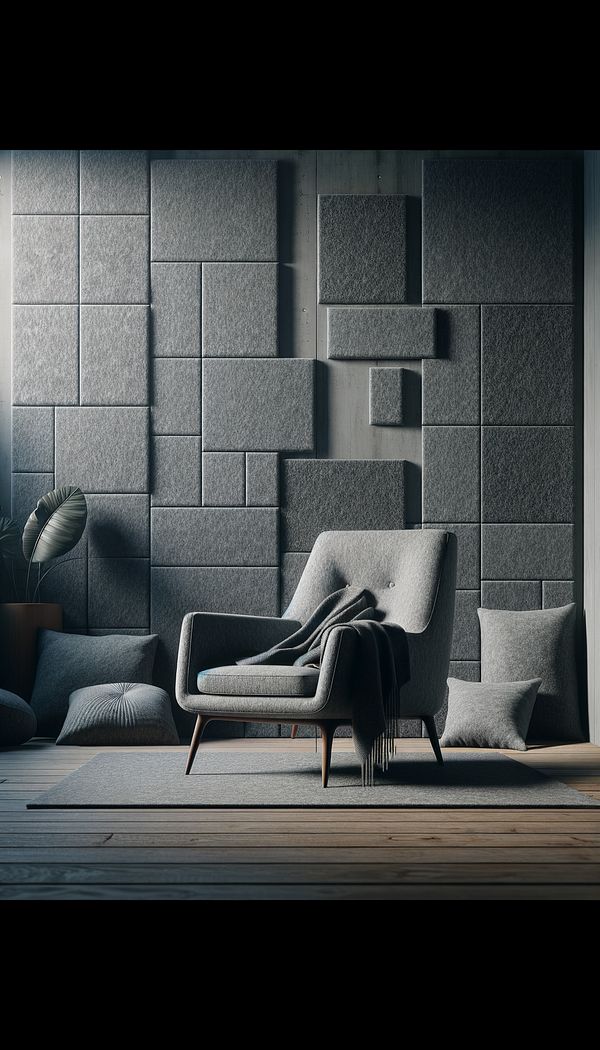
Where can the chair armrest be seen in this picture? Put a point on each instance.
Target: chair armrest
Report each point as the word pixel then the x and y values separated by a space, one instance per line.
pixel 212 639
pixel 337 667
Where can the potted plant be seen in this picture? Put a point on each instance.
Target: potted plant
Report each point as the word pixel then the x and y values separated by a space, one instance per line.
pixel 51 531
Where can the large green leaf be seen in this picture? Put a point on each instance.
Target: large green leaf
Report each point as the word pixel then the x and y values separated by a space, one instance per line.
pixel 10 546
pixel 56 524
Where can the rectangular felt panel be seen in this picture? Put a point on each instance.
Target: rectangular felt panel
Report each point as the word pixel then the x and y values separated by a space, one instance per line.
pixel 114 181
pixel 380 333
pixel 33 439
pixel 45 355
pixel 214 210
pixel 451 471
pixel 239 310
pixel 557 592
pixel 362 248
pixel 259 405
pixel 102 449
pixel 511 594
pixel 45 181
pixel 223 479
pixel 521 552
pixel 176 396
pixel 451 383
pixel 45 259
pixel 292 567
pixel 497 231
pixel 465 639
pixel 118 526
pixel 528 474
pixel 386 397
pixel 213 536
pixel 528 364
pixel 119 592
pixel 322 494
pixel 114 355
pixel 262 479
pixel 26 490
pixel 176 471
pixel 114 259
pixel 468 559
pixel 176 308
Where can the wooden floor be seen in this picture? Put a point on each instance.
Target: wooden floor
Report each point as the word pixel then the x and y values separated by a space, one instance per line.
pixel 261 854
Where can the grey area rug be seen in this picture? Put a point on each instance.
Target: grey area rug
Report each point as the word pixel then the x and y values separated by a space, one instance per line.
pixel 245 779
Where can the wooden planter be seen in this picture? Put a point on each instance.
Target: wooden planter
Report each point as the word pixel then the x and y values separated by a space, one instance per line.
pixel 19 622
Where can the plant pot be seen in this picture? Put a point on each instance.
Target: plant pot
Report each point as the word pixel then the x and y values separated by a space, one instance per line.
pixel 19 622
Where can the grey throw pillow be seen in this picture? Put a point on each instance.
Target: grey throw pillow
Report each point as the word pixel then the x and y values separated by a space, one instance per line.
pixel 494 715
pixel 66 662
pixel 119 713
pixel 17 720
pixel 516 646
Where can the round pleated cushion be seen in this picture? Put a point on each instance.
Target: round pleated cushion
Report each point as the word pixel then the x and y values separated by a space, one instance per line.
pixel 119 713
pixel 17 721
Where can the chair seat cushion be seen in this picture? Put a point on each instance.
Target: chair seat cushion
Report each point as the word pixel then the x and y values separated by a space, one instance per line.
pixel 258 680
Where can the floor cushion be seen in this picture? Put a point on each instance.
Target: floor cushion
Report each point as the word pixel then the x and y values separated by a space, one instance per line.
pixel 119 713
pixel 17 721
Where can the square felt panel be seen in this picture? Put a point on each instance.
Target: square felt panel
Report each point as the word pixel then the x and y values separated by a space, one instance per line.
pixel 322 494
pixel 380 333
pixel 176 308
pixel 239 310
pixel 214 210
pixel 259 405
pixel 118 526
pixel 223 479
pixel 497 231
pixel 45 355
pixel 45 181
pixel 114 181
pixel 528 474
pixel 45 259
pixel 102 449
pixel 114 355
pixel 176 471
pixel 114 259
pixel 451 474
pixel 528 364
pixel 213 536
pixel 362 248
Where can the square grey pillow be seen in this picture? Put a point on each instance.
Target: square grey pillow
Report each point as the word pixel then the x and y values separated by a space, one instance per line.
pixel 66 662
pixel 494 715
pixel 519 646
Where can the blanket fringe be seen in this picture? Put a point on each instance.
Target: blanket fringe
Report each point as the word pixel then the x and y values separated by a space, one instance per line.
pixel 384 746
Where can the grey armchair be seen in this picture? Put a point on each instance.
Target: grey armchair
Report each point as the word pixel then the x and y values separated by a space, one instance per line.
pixel 411 574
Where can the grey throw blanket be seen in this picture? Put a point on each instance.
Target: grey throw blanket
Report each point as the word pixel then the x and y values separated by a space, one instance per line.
pixel 381 669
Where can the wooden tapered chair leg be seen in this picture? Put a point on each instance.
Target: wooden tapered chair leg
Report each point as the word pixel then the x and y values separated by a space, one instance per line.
pixel 198 730
pixel 294 732
pixel 327 734
pixel 429 723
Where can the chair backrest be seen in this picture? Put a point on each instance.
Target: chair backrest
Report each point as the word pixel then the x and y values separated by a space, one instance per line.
pixel 402 569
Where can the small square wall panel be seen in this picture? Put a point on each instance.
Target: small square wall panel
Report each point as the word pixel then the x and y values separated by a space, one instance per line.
pixel 362 248
pixel 535 552
pixel 451 383
pixel 176 471
pixel 380 333
pixel 176 308
pixel 214 210
pixel 118 526
pixel 114 181
pixel 214 536
pixel 386 397
pixel 451 474
pixel 102 449
pixel 262 479
pixel 239 310
pixel 45 355
pixel 528 474
pixel 114 355
pixel 498 231
pixel 33 439
pixel 114 259
pixel 45 181
pixel 45 259
pixel 259 405
pixel 557 592
pixel 223 479
pixel 176 396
